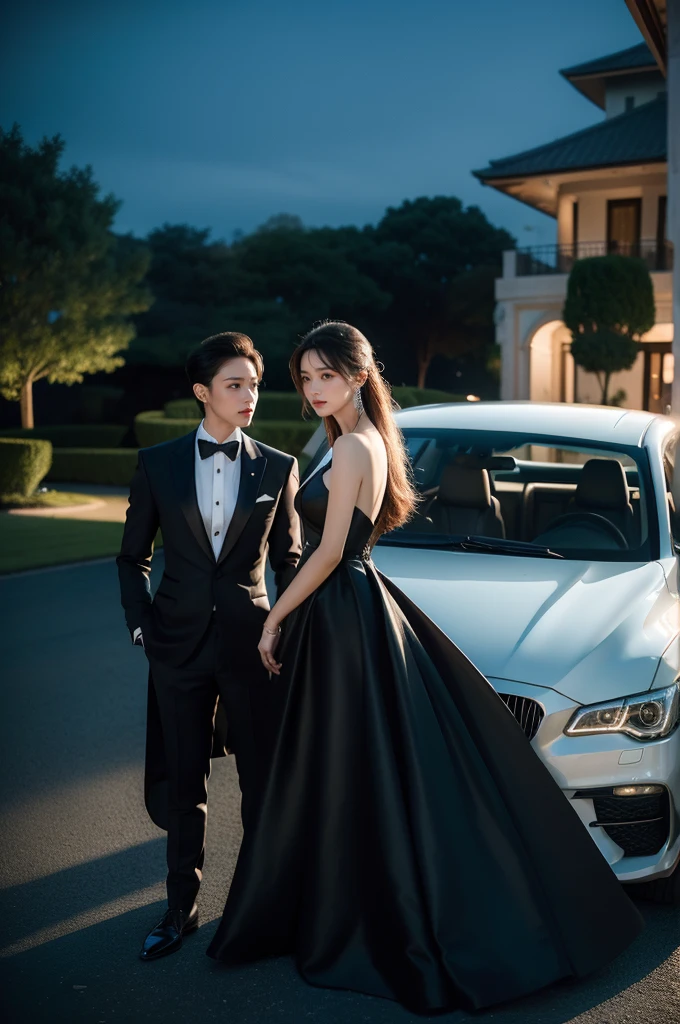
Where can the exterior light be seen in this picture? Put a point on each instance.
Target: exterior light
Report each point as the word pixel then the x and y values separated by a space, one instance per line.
pixel 472 398
pixel 644 716
pixel 637 790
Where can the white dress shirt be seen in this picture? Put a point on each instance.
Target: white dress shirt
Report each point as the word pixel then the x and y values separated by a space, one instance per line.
pixel 217 484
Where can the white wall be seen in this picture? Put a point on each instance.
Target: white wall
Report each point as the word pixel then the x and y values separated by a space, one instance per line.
pixel 592 197
pixel 631 381
pixel 673 14
pixel 588 387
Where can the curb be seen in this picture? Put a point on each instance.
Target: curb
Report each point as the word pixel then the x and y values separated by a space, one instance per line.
pixel 57 568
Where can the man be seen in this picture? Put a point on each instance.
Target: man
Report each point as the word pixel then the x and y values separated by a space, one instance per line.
pixel 221 502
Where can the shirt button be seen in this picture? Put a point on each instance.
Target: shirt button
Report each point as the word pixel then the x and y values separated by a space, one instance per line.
pixel 217 502
pixel 219 470
pixel 217 533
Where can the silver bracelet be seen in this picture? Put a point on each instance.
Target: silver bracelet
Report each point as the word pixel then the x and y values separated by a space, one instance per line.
pixel 272 632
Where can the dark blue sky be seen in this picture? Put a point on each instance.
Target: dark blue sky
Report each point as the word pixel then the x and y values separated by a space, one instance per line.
pixel 220 113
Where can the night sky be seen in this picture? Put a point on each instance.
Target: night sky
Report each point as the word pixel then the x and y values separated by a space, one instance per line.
pixel 220 114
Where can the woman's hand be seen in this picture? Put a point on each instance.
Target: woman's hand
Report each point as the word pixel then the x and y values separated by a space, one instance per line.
pixel 267 646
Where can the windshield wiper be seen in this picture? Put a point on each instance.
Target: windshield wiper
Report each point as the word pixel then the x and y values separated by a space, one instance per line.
pixel 483 545
pixel 503 547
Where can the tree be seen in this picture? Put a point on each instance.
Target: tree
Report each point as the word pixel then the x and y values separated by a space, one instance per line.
pixel 609 305
pixel 202 287
pixel 439 260
pixel 310 271
pixel 272 284
pixel 67 283
pixel 419 284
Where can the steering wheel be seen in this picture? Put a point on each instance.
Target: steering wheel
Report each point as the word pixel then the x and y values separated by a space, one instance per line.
pixel 598 522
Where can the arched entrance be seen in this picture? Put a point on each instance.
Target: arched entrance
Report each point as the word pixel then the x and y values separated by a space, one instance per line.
pixel 551 366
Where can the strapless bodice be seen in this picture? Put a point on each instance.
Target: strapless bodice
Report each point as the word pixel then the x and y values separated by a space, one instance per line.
pixel 311 502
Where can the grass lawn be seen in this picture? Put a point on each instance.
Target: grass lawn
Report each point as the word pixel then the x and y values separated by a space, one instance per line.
pixel 46 499
pixel 29 542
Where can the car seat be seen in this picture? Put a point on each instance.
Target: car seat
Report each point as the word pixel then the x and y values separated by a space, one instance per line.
pixel 464 503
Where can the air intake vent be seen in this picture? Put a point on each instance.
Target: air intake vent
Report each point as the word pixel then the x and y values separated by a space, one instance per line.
pixel 527 712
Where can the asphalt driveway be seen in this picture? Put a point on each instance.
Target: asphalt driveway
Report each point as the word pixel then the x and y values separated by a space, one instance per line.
pixel 82 867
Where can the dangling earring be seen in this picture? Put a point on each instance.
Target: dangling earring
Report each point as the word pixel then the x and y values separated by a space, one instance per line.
pixel 358 401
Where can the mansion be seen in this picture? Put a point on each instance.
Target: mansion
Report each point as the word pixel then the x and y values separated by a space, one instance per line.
pixel 606 186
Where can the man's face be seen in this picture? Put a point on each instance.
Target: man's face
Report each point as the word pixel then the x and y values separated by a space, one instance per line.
pixel 232 394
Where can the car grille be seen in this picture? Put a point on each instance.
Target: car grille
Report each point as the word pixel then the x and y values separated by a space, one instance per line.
pixel 527 712
pixel 638 824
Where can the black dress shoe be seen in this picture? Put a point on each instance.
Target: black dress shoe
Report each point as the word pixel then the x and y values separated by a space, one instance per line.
pixel 167 936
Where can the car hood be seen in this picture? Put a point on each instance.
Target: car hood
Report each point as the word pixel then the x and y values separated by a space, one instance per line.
pixel 591 630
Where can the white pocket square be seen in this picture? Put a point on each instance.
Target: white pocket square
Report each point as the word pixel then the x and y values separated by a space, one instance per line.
pixel 264 497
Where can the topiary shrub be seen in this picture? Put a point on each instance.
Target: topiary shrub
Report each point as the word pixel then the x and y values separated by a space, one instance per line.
pixel 114 466
pixel 609 305
pixel 78 435
pixel 23 464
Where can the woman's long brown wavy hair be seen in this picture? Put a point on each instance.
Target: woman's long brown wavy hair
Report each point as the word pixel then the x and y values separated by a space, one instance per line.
pixel 345 349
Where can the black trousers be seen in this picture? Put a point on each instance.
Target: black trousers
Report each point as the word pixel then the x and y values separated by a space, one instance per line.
pixel 187 698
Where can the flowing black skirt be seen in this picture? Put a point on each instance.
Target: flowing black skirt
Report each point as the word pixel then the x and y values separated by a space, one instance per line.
pixel 410 843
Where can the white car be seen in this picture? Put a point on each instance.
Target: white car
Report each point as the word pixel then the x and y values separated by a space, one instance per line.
pixel 544 548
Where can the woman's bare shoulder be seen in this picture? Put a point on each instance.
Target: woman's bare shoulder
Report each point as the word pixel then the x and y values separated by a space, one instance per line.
pixel 362 446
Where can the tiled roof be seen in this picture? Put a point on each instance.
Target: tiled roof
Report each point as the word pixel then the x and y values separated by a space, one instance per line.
pixel 635 137
pixel 632 59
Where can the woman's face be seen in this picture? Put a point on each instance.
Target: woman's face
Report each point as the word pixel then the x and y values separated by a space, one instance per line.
pixel 326 390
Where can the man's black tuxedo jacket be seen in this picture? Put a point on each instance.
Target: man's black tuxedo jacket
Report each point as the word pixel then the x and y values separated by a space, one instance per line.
pixel 173 623
pixel 163 493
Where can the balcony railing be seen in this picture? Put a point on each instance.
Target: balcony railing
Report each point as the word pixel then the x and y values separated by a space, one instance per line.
pixel 559 259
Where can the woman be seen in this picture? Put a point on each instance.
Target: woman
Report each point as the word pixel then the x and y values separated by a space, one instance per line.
pixel 409 844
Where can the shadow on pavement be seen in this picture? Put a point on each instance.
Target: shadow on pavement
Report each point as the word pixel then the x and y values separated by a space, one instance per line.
pixel 94 975
pixel 28 908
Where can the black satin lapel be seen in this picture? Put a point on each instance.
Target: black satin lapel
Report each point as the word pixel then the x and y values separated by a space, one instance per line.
pixel 252 469
pixel 315 460
pixel 185 482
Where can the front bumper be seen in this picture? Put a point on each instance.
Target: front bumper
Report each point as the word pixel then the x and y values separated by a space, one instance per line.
pixel 586 768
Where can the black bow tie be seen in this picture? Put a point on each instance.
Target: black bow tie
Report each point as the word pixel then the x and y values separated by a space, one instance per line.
pixel 208 448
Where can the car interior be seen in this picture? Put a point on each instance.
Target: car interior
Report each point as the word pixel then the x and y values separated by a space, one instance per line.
pixel 571 499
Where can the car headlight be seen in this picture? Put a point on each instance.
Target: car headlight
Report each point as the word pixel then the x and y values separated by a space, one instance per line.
pixel 645 716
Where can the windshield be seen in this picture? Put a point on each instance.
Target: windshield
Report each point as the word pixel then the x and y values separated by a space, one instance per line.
pixel 518 494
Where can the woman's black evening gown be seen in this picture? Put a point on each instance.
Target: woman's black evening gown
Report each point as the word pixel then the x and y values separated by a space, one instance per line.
pixel 410 843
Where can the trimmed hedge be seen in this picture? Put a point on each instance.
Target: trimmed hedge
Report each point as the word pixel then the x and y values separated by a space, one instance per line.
pixel 272 405
pixel 286 430
pixel 284 435
pixel 407 397
pixel 153 428
pixel 23 464
pixel 181 409
pixel 287 405
pixel 113 466
pixel 78 435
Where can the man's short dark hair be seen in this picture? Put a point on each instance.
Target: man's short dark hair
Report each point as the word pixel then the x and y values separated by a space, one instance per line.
pixel 204 362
